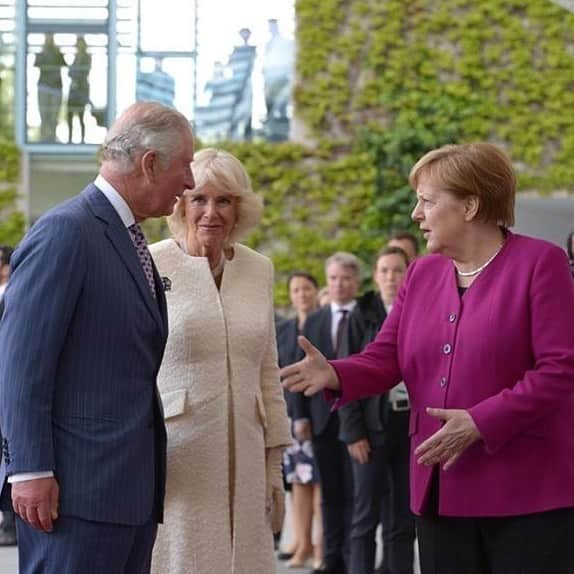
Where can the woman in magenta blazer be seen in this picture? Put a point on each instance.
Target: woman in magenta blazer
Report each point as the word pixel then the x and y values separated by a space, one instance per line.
pixel 482 333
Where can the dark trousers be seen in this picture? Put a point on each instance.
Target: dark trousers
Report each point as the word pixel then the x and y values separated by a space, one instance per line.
pixel 81 547
pixel 531 544
pixel 381 495
pixel 336 495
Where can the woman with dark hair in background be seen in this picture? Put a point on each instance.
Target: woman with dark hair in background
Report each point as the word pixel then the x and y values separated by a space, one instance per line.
pixel 298 462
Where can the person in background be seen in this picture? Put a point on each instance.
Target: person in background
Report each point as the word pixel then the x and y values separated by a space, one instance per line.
pixel 81 342
pixel 225 414
pixel 299 464
pixel 50 62
pixel 482 333
pixel 407 242
pixel 79 94
pixel 5 256
pixel 326 328
pixel 570 250
pixel 376 433
pixel 8 524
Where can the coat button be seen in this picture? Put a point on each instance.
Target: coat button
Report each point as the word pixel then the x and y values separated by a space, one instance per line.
pixel 447 349
pixel 452 318
pixel 442 382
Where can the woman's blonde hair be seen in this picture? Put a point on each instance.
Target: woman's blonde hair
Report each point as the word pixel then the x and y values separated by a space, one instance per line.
pixel 476 169
pixel 225 172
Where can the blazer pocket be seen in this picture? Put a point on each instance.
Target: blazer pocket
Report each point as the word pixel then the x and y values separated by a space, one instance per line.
pixel 413 423
pixel 173 403
pixel 260 411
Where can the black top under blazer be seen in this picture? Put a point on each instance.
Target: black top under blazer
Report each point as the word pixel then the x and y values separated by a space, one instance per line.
pixel 318 330
pixel 288 351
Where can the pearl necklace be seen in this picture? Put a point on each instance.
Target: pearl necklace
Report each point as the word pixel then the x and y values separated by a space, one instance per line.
pixel 218 269
pixel 481 268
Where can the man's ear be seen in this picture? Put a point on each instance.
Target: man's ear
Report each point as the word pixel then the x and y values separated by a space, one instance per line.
pixel 149 165
pixel 471 207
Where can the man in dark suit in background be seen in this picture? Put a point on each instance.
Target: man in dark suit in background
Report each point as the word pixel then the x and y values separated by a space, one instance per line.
pixel 375 430
pixel 81 342
pixel 325 328
pixel 406 241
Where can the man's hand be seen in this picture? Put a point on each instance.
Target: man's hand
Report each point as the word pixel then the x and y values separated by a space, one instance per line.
pixel 36 502
pixel 302 429
pixel 310 375
pixel 360 450
pixel 447 444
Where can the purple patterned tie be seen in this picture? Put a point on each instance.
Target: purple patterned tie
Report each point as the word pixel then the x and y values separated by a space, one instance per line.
pixel 140 244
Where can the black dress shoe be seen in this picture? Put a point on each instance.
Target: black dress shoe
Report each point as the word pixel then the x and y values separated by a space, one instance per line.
pixel 285 555
pixel 335 569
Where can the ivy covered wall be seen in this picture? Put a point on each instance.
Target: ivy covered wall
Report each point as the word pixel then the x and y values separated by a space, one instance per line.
pixel 12 223
pixel 501 70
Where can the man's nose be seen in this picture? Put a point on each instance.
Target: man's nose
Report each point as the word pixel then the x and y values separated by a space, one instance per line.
pixel 189 180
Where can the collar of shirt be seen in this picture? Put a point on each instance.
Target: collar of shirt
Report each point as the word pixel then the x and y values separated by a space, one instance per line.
pixel 335 307
pixel 117 201
pixel 336 317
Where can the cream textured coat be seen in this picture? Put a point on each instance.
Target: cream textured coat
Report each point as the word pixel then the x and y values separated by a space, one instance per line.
pixel 223 406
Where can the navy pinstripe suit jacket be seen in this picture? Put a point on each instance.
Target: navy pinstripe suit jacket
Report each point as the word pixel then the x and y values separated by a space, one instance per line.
pixel 81 342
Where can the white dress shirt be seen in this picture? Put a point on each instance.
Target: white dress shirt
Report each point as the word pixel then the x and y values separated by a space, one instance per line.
pixel 336 317
pixel 127 217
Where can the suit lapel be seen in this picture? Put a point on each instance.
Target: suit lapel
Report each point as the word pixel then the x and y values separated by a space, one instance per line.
pixel 120 239
pixel 161 301
pixel 326 332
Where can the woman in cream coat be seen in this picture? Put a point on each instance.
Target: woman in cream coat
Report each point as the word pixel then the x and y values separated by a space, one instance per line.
pixel 224 409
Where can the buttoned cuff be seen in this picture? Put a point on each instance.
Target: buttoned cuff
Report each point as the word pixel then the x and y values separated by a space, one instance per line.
pixel 30 476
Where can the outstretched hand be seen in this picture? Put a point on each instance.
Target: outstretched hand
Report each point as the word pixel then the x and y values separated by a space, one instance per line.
pixel 447 444
pixel 311 374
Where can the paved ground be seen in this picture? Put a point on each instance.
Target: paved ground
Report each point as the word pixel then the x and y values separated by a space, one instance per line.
pixel 8 561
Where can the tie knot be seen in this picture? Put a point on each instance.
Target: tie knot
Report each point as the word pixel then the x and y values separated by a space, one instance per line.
pixel 343 313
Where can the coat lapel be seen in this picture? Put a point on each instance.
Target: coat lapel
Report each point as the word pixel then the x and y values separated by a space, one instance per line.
pixel 161 300
pixel 122 243
pixel 326 331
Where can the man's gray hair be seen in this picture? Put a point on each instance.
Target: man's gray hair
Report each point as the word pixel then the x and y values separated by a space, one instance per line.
pixel 347 261
pixel 144 126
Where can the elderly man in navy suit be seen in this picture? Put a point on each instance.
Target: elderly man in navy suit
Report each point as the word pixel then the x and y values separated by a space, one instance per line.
pixel 81 342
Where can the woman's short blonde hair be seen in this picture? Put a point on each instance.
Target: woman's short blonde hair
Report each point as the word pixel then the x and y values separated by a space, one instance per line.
pixel 225 172
pixel 478 169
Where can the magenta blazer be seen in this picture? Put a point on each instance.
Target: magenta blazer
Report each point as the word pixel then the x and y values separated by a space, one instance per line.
pixel 505 352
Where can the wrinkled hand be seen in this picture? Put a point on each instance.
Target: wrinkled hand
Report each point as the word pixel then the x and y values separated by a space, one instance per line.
pixel 447 444
pixel 36 502
pixel 302 430
pixel 360 450
pixel 310 375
